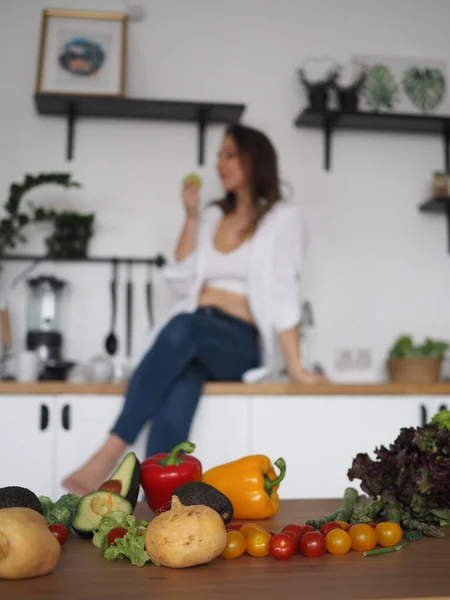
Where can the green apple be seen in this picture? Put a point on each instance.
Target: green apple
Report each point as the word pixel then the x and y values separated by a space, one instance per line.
pixel 195 178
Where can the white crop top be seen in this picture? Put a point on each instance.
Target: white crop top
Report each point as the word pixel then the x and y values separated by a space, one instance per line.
pixel 228 270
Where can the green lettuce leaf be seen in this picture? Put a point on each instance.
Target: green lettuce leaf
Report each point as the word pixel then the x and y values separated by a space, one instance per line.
pixel 131 546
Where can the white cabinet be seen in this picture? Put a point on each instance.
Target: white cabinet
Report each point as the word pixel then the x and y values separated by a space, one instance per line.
pixel 221 429
pixel 27 438
pixel 43 438
pixel 318 436
pixel 84 423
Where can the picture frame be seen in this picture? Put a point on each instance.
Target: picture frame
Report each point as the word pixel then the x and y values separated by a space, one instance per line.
pixel 82 52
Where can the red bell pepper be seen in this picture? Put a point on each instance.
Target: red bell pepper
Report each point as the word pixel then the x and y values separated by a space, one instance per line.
pixel 162 474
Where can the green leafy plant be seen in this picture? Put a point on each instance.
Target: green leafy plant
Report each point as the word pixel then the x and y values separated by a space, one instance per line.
pixel 17 218
pixel 71 235
pixel 380 88
pixel 424 87
pixel 404 347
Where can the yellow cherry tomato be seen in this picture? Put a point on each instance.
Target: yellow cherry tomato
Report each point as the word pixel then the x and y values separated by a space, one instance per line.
pixel 363 537
pixel 338 541
pixel 343 524
pixel 258 543
pixel 388 534
pixel 249 528
pixel 236 545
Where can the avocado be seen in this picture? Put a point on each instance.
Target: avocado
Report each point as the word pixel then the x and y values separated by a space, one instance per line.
pixel 15 496
pixel 128 474
pixel 197 492
pixel 93 507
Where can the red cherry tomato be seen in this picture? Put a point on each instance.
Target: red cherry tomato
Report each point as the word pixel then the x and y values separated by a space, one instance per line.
pixel 281 546
pixel 295 532
pixel 233 526
pixel 298 529
pixel 60 532
pixel 329 527
pixel 313 544
pixel 115 534
pixel 306 529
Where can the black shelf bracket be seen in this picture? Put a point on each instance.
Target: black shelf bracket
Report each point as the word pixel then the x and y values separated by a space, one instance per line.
pixel 71 114
pixel 327 131
pixel 447 148
pixel 202 120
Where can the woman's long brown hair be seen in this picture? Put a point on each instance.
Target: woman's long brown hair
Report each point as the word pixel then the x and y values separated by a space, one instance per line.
pixel 259 157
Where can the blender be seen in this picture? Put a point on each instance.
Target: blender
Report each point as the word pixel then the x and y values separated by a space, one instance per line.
pixel 44 335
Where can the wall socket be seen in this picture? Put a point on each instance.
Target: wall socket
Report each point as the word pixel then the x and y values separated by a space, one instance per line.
pixel 353 358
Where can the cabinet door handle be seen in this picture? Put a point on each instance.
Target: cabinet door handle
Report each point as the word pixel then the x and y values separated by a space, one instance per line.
pixel 423 414
pixel 44 417
pixel 65 417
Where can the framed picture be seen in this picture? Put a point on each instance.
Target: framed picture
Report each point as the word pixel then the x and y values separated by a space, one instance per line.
pixel 82 52
pixel 405 85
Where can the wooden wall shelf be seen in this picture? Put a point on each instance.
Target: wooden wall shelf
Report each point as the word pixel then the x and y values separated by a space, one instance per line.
pixel 119 107
pixel 387 122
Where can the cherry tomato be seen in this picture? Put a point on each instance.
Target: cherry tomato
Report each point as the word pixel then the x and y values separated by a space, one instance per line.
pixel 307 528
pixel 373 525
pixel 298 529
pixel 363 537
pixel 115 534
pixel 249 527
pixel 236 545
pixel 313 544
pixel 234 526
pixel 296 532
pixel 329 527
pixel 281 546
pixel 343 524
pixel 60 532
pixel 349 527
pixel 388 534
pixel 258 543
pixel 338 541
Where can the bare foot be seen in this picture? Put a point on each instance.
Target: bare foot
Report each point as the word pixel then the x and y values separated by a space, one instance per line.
pixel 95 471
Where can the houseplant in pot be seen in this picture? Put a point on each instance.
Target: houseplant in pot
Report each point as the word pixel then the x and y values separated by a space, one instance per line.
pixel 411 363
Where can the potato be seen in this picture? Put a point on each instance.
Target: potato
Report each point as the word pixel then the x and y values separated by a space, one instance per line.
pixel 185 536
pixel 27 547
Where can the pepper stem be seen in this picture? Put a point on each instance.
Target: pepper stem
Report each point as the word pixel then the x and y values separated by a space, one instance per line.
pixel 269 484
pixel 173 459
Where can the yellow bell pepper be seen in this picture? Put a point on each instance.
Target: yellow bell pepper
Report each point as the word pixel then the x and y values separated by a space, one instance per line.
pixel 251 485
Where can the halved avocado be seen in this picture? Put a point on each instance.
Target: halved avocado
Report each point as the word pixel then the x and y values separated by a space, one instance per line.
pixel 128 473
pixel 93 507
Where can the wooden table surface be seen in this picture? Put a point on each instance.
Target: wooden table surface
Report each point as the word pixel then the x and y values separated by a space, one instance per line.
pixel 421 570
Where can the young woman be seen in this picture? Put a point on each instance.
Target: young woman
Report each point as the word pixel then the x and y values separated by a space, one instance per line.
pixel 234 275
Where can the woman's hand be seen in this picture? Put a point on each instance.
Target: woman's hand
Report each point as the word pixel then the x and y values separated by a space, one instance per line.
pixel 190 198
pixel 308 377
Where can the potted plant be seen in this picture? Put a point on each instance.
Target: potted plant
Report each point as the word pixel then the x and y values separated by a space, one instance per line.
pixel 17 218
pixel 318 75
pixel 411 363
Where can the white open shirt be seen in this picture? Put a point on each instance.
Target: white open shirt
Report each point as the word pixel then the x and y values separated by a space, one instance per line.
pixel 277 258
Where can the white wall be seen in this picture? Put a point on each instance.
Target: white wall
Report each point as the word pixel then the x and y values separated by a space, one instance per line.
pixel 377 267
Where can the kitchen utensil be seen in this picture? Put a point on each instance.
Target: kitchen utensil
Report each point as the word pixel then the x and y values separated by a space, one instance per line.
pixel 129 311
pixel 111 342
pixel 149 294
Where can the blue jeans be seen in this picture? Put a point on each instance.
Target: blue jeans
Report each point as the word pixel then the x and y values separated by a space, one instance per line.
pixel 166 386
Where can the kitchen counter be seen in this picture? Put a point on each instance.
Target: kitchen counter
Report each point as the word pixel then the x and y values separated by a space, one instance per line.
pixel 254 389
pixel 418 571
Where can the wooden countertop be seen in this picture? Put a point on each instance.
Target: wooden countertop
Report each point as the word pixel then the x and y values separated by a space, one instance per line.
pixel 418 571
pixel 255 389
